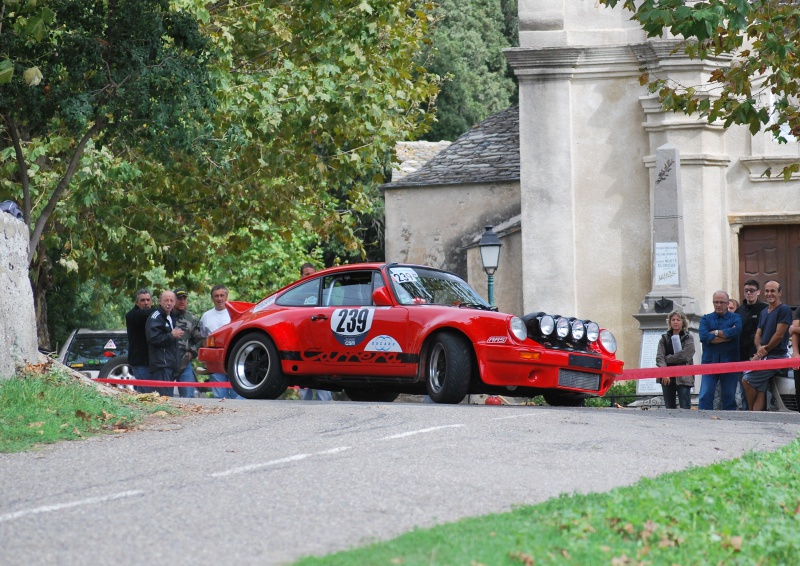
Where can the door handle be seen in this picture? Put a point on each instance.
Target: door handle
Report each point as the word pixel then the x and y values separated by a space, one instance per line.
pixel 317 317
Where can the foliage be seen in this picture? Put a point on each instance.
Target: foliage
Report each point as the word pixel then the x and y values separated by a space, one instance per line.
pixel 621 393
pixel 43 405
pixel 309 98
pixel 467 48
pixel 760 84
pixel 743 511
pixel 89 74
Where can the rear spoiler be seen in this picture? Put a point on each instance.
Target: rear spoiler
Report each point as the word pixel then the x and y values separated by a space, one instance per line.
pixel 238 308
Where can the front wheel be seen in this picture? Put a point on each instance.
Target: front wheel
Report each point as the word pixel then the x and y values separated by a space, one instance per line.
pixel 254 368
pixel 448 369
pixel 118 368
pixel 371 395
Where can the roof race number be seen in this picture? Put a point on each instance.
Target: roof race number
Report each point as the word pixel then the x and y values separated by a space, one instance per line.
pixel 351 326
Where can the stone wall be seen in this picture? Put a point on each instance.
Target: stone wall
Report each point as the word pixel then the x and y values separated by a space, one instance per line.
pixel 18 344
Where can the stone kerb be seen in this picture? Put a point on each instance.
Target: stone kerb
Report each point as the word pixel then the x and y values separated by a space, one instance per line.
pixel 18 342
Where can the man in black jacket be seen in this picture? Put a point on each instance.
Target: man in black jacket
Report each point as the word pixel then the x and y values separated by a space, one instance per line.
pixel 162 342
pixel 749 310
pixel 135 321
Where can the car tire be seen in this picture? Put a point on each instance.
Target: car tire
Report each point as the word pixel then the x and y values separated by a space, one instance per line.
pixel 559 399
pixel 254 368
pixel 371 395
pixel 118 368
pixel 448 368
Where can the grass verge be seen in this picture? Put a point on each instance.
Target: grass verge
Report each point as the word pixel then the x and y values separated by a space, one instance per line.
pixel 744 511
pixel 44 404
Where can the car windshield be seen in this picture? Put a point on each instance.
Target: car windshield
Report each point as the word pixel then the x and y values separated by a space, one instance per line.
pixel 419 286
pixel 92 352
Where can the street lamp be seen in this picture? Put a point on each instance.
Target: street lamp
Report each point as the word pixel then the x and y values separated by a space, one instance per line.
pixel 490 257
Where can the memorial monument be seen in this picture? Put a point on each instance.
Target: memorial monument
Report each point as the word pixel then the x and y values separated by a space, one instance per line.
pixel 668 290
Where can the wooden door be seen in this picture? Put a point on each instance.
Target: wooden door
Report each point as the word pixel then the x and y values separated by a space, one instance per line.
pixel 771 252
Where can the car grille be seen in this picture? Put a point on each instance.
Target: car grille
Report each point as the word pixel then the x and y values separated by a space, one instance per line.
pixel 790 401
pixel 579 379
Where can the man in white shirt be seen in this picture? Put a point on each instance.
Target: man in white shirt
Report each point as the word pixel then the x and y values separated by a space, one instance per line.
pixel 212 320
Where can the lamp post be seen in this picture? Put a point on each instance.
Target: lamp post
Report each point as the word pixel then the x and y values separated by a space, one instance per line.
pixel 490 256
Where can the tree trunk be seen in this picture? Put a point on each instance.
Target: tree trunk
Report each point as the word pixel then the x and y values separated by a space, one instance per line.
pixel 41 281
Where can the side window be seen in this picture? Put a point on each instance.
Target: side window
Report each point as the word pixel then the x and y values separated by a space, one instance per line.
pixel 305 295
pixel 347 289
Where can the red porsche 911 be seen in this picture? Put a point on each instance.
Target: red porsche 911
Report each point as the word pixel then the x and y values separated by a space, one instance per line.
pixel 378 330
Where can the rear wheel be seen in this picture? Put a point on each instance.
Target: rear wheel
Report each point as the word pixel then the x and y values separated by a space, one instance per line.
pixel 254 368
pixel 371 395
pixel 118 368
pixel 448 369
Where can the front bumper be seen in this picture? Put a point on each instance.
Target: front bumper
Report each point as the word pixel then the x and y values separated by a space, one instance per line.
pixel 783 393
pixel 544 368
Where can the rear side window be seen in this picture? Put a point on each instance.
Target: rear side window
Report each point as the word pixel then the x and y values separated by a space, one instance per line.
pixel 92 352
pixel 305 295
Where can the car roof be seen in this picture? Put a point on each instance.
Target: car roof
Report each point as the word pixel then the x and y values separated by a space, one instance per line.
pixel 90 332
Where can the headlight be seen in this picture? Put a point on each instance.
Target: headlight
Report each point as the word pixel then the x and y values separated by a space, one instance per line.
pixel 578 329
pixel 518 328
pixel 607 341
pixel 592 331
pixel 562 327
pixel 546 325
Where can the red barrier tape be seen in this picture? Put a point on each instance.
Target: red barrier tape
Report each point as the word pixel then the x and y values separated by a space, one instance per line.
pixel 627 375
pixel 156 383
pixel 705 369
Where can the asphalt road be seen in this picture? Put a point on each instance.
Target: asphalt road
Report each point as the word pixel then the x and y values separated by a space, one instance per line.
pixel 266 482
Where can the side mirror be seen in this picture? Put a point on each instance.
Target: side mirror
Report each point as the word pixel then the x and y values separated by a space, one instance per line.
pixel 381 297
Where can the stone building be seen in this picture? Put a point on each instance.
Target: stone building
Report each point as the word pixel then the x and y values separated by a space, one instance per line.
pixel 436 208
pixel 586 181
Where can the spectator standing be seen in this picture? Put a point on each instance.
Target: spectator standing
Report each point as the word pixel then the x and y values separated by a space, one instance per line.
pixel 676 348
pixel 749 311
pixel 188 343
pixel 212 320
pixel 771 341
pixel 308 394
pixel 794 329
pixel 733 304
pixel 162 342
pixel 719 334
pixel 135 321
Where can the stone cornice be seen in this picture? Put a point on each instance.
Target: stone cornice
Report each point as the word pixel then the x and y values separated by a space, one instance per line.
pixel 738 220
pixel 567 62
pixel 605 60
pixel 757 164
pixel 669 51
pixel 702 159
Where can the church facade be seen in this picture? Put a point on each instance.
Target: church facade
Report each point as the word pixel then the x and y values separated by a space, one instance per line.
pixel 588 134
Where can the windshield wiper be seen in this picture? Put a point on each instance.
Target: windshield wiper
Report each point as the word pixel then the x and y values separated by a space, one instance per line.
pixel 476 306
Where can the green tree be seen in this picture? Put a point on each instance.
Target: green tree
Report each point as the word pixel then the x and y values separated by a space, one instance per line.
pixel 759 87
pixel 468 39
pixel 310 97
pixel 76 73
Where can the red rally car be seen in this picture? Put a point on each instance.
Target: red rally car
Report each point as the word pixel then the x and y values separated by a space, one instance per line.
pixel 377 330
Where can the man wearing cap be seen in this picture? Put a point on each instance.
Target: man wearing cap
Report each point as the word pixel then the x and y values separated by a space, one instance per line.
pixel 189 343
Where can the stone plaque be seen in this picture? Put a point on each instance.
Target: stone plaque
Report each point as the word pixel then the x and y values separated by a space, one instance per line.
pixel 647 359
pixel 666 264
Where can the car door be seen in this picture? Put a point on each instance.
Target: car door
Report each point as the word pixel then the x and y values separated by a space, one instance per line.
pixel 357 337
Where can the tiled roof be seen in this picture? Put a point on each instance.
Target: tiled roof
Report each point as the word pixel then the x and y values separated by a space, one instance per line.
pixel 413 155
pixel 488 152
